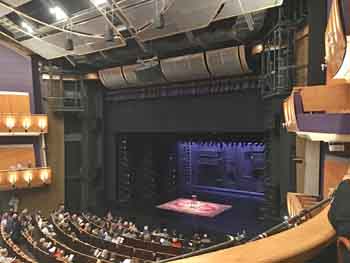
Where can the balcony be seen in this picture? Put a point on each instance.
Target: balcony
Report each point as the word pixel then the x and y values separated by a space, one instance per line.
pixel 23 124
pixel 25 179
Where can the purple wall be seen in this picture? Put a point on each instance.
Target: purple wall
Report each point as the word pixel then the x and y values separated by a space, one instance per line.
pixel 16 73
pixel 223 165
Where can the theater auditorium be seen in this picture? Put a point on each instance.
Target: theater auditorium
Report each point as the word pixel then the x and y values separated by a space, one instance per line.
pixel 185 131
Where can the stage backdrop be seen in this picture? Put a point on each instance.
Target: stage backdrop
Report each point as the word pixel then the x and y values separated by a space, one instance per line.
pixel 241 112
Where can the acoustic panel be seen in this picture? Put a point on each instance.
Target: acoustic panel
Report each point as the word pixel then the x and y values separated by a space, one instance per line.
pixel 112 78
pixel 150 73
pixel 45 49
pixel 181 16
pixel 130 75
pixel 53 46
pixel 14 155
pixel 227 62
pixel 14 102
pixel 191 67
pixel 241 7
pixel 14 3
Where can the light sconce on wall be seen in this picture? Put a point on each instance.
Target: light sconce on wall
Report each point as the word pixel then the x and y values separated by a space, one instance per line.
pixel 13 178
pixel 42 123
pixel 26 123
pixel 10 123
pixel 44 176
pixel 28 177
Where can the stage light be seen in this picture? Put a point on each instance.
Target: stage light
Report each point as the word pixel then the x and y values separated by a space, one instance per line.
pixel 59 13
pixel 42 124
pixel 98 3
pixel 12 178
pixel 26 123
pixel 10 123
pixel 69 45
pixel 27 27
pixel 28 177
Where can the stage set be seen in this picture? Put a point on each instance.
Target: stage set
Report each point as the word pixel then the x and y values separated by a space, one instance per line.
pixel 199 181
pixel 195 207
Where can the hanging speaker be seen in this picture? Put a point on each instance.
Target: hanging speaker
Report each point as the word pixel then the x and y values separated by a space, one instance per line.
pixel 69 46
pixel 109 34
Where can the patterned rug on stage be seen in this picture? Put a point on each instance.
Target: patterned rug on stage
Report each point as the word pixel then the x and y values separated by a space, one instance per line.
pixel 199 208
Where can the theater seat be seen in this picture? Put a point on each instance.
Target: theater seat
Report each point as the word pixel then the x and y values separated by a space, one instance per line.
pixel 343 243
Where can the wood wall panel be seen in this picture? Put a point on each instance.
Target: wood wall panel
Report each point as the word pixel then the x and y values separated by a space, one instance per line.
pixel 334 171
pixel 14 102
pixel 302 54
pixel 47 198
pixel 296 245
pixel 312 168
pixel 11 155
pixel 318 98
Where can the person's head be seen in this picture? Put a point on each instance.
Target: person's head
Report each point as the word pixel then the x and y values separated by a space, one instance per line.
pixel 3 252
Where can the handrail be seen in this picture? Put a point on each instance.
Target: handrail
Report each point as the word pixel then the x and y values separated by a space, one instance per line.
pixel 256 242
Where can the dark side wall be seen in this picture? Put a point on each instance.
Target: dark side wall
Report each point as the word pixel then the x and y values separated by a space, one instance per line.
pixel 232 113
pixel 237 112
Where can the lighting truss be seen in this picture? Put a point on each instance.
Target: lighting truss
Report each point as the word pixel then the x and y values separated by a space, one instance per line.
pixel 113 13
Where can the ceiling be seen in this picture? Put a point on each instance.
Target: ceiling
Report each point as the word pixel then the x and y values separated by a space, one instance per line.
pixel 142 28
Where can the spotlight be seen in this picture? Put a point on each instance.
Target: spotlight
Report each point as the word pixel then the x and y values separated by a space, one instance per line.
pixel 159 21
pixel 99 2
pixel 27 27
pixel 59 13
pixel 69 45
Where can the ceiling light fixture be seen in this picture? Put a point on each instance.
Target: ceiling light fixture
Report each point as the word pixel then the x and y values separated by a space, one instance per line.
pixel 59 13
pixel 27 27
pixel 99 2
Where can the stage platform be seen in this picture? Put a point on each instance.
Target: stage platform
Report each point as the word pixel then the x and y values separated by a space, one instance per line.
pixel 195 207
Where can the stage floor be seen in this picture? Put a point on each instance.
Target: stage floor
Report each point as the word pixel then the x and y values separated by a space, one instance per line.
pixel 198 208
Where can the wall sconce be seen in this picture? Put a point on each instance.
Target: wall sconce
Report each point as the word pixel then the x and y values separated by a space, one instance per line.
pixel 44 176
pixel 28 177
pixel 10 123
pixel 13 178
pixel 26 123
pixel 42 123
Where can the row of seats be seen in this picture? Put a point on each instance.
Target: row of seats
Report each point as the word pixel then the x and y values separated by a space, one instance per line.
pixel 47 241
pixel 139 243
pixel 131 251
pixel 22 257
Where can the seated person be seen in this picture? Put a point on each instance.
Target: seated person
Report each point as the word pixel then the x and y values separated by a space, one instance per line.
pixel 176 243
pixel 339 212
pixel 4 256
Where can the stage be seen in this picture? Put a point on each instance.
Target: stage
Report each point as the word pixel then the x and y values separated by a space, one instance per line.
pixel 195 207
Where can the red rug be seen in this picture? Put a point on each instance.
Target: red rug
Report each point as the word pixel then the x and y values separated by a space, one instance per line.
pixel 199 208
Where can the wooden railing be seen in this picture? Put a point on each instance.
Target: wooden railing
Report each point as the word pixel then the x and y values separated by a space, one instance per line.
pixel 297 244
pixel 26 178
pixel 23 124
pixel 297 202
